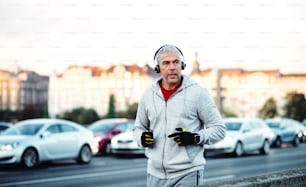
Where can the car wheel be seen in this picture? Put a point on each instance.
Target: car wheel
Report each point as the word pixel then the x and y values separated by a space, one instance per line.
pixel 85 155
pixel 296 141
pixel 29 158
pixel 278 142
pixel 239 149
pixel 108 150
pixel 265 148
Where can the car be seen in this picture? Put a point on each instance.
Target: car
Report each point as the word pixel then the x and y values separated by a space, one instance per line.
pixel 243 135
pixel 105 129
pixel 33 141
pixel 125 144
pixel 285 131
pixel 302 131
pixel 4 126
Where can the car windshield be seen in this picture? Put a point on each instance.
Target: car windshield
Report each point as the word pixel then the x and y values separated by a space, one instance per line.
pixel 101 127
pixel 25 129
pixel 233 126
pixel 273 124
pixel 130 126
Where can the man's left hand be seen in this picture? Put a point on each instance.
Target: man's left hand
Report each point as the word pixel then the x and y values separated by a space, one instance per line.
pixel 183 137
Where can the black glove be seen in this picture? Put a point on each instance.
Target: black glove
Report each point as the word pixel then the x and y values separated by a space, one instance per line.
pixel 183 137
pixel 147 139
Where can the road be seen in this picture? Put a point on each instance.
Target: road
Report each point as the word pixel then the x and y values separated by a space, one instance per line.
pixel 111 171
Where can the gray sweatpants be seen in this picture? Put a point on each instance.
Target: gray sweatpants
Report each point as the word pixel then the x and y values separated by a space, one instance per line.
pixel 191 179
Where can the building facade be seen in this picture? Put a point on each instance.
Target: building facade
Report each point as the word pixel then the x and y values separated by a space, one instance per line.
pixel 241 91
pixel 21 89
pixel 91 87
pixel 244 92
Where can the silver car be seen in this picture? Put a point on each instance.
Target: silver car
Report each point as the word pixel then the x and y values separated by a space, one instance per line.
pixel 30 142
pixel 243 135
pixel 125 144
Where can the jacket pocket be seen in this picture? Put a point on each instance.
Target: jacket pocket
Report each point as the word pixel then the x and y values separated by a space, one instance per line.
pixel 192 152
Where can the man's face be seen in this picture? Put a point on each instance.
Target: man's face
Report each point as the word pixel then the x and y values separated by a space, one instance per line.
pixel 170 68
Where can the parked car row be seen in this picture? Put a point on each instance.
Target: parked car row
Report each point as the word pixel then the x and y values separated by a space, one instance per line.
pixel 286 131
pixel 31 142
pixel 243 135
pixel 105 129
pixel 246 135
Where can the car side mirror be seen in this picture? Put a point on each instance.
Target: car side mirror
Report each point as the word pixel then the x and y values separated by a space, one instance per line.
pixel 45 134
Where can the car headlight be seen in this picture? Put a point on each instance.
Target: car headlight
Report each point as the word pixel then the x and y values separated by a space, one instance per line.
pixel 9 147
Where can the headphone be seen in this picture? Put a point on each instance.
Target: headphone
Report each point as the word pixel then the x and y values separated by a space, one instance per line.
pixel 157 68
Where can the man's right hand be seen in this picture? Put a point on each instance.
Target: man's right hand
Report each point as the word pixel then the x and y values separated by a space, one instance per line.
pixel 147 139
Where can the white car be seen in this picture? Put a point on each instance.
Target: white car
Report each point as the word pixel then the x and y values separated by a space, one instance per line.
pixel 243 135
pixel 125 144
pixel 30 142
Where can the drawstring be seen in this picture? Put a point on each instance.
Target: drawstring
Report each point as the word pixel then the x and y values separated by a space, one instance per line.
pixel 184 92
pixel 154 103
pixel 198 177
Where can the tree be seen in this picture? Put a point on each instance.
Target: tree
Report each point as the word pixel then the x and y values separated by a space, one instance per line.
pixel 269 109
pixel 132 111
pixel 76 114
pixel 66 115
pixel 129 113
pixel 81 115
pixel 88 116
pixel 229 113
pixel 8 115
pixel 295 106
pixel 28 112
pixel 111 107
pixel 44 112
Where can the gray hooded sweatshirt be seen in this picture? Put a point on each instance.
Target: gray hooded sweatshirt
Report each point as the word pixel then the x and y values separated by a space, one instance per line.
pixel 190 107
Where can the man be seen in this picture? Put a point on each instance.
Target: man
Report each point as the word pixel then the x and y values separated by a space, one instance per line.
pixel 175 118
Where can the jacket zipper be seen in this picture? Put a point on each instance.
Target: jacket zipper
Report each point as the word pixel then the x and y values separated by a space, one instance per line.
pixel 164 147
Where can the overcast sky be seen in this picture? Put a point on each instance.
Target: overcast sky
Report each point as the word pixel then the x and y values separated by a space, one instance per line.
pixel 43 35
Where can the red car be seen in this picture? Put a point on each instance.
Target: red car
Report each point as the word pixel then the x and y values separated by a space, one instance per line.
pixel 105 129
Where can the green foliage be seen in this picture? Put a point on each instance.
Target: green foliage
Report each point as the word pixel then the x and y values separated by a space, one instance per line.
pixel 81 115
pixel 76 114
pixel 44 112
pixel 269 109
pixel 88 116
pixel 8 115
pixel 130 113
pixel 111 108
pixel 295 106
pixel 229 113
pixel 29 112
